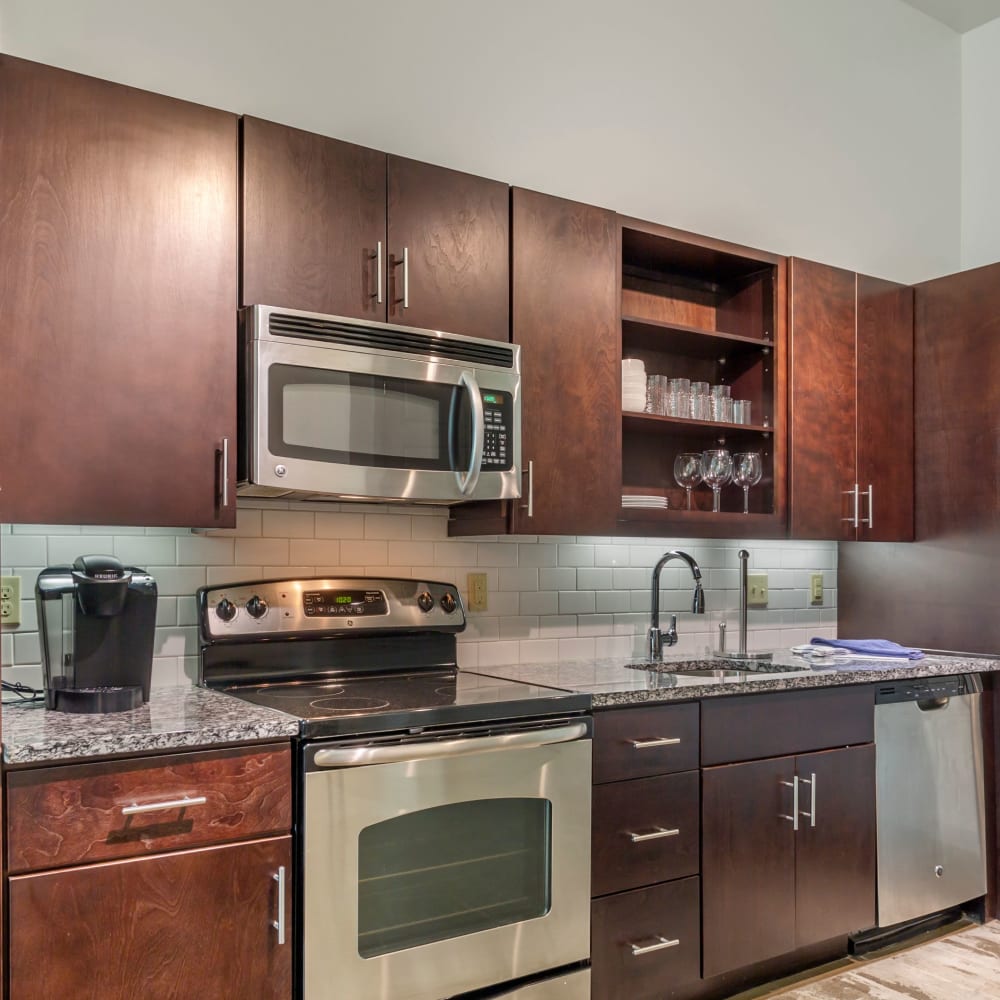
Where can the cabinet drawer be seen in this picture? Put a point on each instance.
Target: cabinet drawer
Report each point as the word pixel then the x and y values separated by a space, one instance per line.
pixel 751 727
pixel 644 831
pixel 115 809
pixel 667 915
pixel 640 742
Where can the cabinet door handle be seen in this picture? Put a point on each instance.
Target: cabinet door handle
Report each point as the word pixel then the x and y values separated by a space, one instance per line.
pixel 148 807
pixel 870 519
pixel 856 493
pixel 222 460
pixel 377 257
pixel 405 261
pixel 530 505
pixel 656 833
pixel 794 818
pixel 279 924
pixel 658 945
pixel 811 782
pixel 657 741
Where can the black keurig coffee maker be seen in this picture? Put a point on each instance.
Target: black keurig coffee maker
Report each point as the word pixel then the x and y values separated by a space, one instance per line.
pixel 96 620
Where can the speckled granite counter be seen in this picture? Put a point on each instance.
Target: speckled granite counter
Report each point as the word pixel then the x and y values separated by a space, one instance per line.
pixel 612 682
pixel 174 718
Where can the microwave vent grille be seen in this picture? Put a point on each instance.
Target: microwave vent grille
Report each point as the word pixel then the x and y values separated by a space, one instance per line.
pixel 390 339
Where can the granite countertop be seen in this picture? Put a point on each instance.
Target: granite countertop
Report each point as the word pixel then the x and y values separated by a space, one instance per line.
pixel 175 717
pixel 612 682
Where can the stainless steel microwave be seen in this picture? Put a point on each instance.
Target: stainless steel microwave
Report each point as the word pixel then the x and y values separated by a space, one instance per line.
pixel 331 407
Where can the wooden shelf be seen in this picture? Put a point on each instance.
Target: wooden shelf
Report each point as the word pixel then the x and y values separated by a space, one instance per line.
pixel 651 423
pixel 692 341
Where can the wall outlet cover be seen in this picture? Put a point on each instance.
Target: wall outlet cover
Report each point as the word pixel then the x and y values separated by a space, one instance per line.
pixel 756 590
pixel 478 592
pixel 10 600
pixel 816 588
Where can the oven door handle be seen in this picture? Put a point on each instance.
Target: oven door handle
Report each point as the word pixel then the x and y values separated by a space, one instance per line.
pixel 467 482
pixel 359 756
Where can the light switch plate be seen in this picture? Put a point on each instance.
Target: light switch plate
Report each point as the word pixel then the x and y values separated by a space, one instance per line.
pixel 10 600
pixel 756 590
pixel 478 592
pixel 816 588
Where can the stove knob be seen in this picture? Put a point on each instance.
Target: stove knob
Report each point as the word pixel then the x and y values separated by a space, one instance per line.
pixel 448 602
pixel 256 607
pixel 226 610
pixel 425 601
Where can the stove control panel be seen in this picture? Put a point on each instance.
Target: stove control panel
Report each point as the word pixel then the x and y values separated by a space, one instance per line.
pixel 327 606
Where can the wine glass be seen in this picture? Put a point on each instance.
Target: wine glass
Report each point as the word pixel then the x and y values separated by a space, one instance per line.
pixel 716 471
pixel 747 471
pixel 687 472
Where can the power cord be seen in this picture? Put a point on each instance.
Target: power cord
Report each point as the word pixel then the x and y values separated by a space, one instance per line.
pixel 23 691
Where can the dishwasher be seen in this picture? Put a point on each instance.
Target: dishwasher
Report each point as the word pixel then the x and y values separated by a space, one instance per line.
pixel 930 796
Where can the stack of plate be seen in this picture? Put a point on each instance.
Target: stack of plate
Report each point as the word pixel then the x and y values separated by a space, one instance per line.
pixel 633 384
pixel 657 503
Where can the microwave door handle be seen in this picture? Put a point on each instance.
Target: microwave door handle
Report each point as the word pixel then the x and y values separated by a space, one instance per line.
pixel 467 482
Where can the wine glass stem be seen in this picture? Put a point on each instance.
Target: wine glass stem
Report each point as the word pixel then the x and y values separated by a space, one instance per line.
pixel 746 499
pixel 715 499
pixel 687 489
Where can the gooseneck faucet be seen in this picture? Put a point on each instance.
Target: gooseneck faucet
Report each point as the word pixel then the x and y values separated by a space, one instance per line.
pixel 656 637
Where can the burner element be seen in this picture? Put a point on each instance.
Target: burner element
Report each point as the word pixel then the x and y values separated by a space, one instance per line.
pixel 334 705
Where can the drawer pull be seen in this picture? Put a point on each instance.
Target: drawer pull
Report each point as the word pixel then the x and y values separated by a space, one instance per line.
pixel 659 741
pixel 658 945
pixel 279 924
pixel 149 807
pixel 656 833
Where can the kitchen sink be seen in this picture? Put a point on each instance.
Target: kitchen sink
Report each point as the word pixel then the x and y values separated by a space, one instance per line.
pixel 721 666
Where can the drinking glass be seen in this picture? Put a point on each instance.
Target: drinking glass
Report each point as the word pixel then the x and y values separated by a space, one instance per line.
pixel 687 472
pixel 716 471
pixel 747 471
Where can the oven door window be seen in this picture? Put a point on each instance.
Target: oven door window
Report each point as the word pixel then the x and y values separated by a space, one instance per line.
pixel 452 870
pixel 360 419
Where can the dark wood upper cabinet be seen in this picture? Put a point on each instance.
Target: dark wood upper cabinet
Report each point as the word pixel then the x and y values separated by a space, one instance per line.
pixel 565 317
pixel 851 405
pixel 331 227
pixel 313 222
pixel 117 303
pixel 697 308
pixel 454 229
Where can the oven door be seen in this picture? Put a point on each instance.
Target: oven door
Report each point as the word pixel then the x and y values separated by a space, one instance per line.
pixel 364 424
pixel 434 868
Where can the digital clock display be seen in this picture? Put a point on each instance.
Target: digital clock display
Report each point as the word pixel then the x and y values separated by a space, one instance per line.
pixel 343 599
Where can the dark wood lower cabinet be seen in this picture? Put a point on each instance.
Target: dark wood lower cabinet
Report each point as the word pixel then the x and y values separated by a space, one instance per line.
pixel 645 942
pixel 176 926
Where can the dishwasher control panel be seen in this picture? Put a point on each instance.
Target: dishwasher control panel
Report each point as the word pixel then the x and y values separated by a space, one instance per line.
pixel 925 688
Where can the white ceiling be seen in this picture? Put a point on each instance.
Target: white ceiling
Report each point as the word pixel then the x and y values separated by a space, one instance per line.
pixel 962 15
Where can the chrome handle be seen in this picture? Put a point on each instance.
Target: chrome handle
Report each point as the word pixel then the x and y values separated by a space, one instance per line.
pixel 188 800
pixel 279 924
pixel 870 519
pixel 811 782
pixel 359 756
pixel 856 493
pixel 661 943
pixel 657 834
pixel 377 257
pixel 530 505
pixel 224 491
pixel 794 818
pixel 658 741
pixel 467 483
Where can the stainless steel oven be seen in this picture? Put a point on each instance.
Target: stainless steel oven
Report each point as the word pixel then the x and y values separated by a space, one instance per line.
pixel 447 864
pixel 334 407
pixel 442 816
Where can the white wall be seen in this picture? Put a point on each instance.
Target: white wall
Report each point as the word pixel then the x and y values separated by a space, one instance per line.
pixel 981 146
pixel 551 598
pixel 824 128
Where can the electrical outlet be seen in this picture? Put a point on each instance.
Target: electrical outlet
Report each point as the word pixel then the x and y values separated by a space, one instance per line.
pixel 10 600
pixel 756 590
pixel 478 593
pixel 816 588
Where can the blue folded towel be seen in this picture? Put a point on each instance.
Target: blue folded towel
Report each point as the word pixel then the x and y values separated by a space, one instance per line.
pixel 872 647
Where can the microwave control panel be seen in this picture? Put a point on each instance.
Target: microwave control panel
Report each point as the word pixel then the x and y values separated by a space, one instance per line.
pixel 498 416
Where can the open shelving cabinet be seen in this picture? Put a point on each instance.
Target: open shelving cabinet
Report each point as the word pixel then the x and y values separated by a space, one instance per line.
pixel 697 308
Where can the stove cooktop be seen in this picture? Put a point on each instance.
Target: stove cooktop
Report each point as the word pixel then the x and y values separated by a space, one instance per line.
pixel 405 701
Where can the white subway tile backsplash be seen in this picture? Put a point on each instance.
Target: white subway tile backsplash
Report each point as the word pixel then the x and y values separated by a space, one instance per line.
pixel 549 597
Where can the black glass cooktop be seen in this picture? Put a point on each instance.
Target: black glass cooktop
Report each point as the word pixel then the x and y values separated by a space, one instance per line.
pixel 387 702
